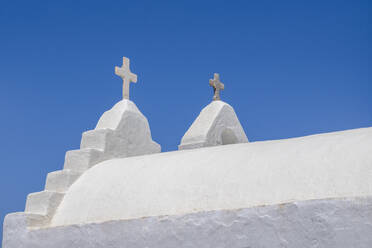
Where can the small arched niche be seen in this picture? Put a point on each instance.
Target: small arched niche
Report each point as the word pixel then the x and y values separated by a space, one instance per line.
pixel 228 137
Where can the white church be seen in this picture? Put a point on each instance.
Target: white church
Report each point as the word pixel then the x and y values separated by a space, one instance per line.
pixel 217 191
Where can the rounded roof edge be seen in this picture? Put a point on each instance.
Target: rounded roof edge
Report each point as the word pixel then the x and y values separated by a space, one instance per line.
pixel 222 177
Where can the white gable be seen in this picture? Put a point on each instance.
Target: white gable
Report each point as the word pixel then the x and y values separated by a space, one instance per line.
pixel 217 124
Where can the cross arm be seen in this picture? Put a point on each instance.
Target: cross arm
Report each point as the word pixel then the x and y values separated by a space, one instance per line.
pixel 133 77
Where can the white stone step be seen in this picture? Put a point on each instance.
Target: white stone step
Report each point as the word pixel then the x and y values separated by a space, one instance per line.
pixel 43 203
pixel 15 222
pixel 96 139
pixel 37 220
pixel 83 159
pixel 60 181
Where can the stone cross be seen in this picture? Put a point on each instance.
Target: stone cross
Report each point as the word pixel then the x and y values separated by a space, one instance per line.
pixel 217 86
pixel 127 76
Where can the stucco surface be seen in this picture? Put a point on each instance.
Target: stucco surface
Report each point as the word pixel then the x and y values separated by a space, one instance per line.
pixel 328 223
pixel 122 131
pixel 217 124
pixel 126 131
pixel 224 177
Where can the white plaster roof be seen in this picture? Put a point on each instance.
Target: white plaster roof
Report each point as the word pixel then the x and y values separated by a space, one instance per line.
pixel 222 177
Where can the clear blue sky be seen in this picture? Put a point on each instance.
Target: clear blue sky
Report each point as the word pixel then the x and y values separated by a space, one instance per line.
pixel 290 68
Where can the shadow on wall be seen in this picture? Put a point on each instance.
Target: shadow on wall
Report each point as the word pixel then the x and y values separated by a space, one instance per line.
pixel 228 137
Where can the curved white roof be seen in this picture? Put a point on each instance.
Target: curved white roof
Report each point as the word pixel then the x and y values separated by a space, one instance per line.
pixel 222 177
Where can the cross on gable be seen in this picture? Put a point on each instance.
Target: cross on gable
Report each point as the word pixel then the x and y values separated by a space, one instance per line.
pixel 217 86
pixel 127 76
